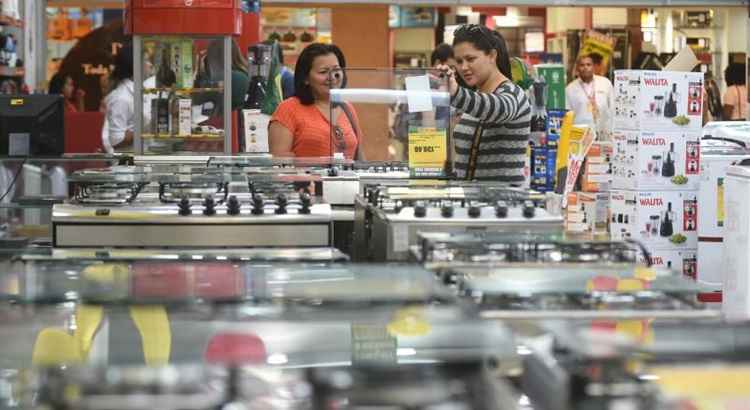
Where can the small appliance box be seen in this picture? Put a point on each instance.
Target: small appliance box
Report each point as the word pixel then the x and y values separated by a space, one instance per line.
pixel 660 220
pixel 658 101
pixel 658 160
pixel 554 77
pixel 683 260
pixel 716 158
pixel 543 168
pixel 597 170
pixel 736 260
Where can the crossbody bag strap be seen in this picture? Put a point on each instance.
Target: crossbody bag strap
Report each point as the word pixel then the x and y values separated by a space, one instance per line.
pixel 474 154
pixel 353 122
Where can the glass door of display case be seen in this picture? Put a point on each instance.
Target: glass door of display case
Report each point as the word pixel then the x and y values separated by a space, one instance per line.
pixel 183 87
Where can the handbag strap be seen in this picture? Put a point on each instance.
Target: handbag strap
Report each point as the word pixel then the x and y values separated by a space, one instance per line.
pixel 353 122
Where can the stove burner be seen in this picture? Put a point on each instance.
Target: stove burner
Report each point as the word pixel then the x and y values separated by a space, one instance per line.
pixel 115 193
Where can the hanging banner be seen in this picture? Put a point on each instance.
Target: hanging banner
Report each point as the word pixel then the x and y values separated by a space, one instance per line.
pixel 602 44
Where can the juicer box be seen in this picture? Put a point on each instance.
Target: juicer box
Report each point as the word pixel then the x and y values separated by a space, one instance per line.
pixel 658 101
pixel 658 160
pixel 659 220
pixel 682 261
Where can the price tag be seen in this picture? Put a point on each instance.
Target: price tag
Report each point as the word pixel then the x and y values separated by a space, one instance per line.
pixel 428 151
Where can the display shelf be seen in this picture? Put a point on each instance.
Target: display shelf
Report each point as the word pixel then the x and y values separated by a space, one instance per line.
pixel 193 137
pixel 181 90
pixel 6 71
pixel 698 28
pixel 10 21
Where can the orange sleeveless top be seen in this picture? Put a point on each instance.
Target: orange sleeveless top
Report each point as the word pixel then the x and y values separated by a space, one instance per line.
pixel 312 131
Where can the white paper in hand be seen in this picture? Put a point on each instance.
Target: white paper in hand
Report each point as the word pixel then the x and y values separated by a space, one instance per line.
pixel 419 97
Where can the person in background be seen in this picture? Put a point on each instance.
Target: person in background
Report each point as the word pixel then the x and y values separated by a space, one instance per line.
pixel 212 69
pixel 590 97
pixel 287 75
pixel 492 135
pixel 735 98
pixel 119 117
pixel 64 85
pixel 301 125
pixel 443 55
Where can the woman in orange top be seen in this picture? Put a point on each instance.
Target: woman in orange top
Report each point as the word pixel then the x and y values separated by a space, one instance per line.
pixel 301 125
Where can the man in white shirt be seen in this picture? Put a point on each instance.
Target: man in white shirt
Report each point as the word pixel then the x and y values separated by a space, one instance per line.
pixel 590 98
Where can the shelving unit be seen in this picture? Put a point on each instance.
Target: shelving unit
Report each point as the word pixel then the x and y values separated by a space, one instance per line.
pixel 8 69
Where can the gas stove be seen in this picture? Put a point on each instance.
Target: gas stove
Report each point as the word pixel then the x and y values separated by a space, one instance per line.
pixel 388 217
pixel 436 248
pixel 341 184
pixel 609 290
pixel 581 364
pixel 190 206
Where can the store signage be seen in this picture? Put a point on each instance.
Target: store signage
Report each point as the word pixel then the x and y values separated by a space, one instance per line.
pixel 428 151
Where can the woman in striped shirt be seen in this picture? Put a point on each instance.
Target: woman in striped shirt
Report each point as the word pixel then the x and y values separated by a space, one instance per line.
pixel 492 135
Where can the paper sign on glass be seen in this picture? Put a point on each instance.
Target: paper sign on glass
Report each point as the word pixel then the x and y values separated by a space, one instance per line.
pixel 419 97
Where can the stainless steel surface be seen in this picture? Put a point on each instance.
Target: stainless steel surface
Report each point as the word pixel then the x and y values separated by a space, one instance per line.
pixel 322 254
pixel 440 248
pixel 162 226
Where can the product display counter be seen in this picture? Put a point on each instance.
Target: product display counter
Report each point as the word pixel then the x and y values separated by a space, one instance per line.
pixel 472 296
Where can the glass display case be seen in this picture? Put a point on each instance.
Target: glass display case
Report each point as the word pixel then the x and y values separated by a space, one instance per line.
pixel 29 187
pixel 183 85
pixel 394 115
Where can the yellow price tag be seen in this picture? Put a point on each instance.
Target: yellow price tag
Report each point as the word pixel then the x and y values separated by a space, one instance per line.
pixel 427 148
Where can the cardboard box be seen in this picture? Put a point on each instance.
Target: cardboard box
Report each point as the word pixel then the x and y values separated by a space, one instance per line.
pixel 660 220
pixel 186 74
pixel 591 182
pixel 554 76
pixel 655 160
pixel 597 171
pixel 543 162
pixel 589 209
pixel 658 101
pixel 683 261
pixel 185 117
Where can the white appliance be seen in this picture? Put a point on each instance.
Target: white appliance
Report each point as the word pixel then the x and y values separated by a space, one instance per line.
pixel 736 259
pixel 716 157
pixel 256 131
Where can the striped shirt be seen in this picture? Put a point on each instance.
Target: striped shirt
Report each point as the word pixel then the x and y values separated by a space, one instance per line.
pixel 503 118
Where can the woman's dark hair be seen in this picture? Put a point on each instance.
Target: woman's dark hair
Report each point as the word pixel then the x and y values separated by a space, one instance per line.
pixel 215 58
pixel 123 65
pixel 734 74
pixel 441 53
pixel 486 40
pixel 302 89
pixel 57 83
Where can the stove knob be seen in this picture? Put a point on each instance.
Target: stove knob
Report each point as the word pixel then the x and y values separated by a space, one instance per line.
pixel 529 209
pixel 446 210
pixel 420 210
pixel 258 204
pixel 475 211
pixel 184 206
pixel 209 206
pixel 281 203
pixel 306 201
pixel 501 209
pixel 233 206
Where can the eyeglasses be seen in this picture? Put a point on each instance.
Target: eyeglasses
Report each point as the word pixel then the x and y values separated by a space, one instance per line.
pixel 476 28
pixel 339 142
